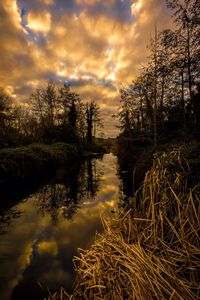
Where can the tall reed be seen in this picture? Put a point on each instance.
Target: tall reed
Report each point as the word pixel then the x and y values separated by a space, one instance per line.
pixel 152 252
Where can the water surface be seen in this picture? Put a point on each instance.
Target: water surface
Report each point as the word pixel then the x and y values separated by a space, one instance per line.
pixel 40 234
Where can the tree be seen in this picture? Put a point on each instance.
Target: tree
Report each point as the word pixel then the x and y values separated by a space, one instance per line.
pixel 49 98
pixel 187 18
pixel 57 111
pixel 92 119
pixel 68 102
pixel 38 110
pixel 5 114
pixel 165 95
pixel 24 123
pixel 90 107
pixel 125 114
pixel 73 114
pixel 44 102
pixel 155 67
pixel 63 106
pixel 81 120
pixel 68 105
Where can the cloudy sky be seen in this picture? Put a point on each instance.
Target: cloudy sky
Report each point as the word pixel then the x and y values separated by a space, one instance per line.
pixel 95 45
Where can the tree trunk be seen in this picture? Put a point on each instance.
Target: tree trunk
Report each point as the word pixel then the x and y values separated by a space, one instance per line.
pixel 155 89
pixel 182 100
pixel 189 66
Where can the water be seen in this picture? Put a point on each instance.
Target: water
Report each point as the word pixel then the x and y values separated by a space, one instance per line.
pixel 40 234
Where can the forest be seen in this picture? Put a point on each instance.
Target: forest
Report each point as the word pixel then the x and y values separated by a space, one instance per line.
pixel 162 103
pixel 53 114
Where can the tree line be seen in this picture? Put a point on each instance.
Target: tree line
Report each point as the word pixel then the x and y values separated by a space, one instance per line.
pixel 164 100
pixel 54 113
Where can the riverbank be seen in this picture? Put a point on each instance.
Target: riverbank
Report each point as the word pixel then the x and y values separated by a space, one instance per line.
pixel 153 251
pixel 23 164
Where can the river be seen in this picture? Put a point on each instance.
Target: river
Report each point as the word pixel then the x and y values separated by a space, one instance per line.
pixel 41 233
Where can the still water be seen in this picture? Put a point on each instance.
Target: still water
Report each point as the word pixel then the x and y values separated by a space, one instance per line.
pixel 41 233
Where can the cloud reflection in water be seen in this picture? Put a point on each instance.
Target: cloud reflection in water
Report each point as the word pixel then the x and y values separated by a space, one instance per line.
pixel 39 244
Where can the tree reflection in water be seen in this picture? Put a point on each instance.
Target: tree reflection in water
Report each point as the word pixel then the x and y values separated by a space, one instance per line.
pixel 64 197
pixel 6 217
pixel 131 172
pixel 125 174
pixel 54 222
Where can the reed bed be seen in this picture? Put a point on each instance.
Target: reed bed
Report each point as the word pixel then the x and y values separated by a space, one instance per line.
pixel 153 251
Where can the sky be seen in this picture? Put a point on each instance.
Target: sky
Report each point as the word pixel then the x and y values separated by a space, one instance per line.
pixel 95 45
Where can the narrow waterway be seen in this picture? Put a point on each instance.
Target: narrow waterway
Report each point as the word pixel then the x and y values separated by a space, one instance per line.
pixel 40 234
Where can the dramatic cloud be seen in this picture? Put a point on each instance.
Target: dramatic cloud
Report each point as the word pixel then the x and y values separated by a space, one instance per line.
pixel 39 22
pixel 95 45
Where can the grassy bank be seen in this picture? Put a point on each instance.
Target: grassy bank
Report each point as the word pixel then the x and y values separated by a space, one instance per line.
pixel 24 163
pixel 152 251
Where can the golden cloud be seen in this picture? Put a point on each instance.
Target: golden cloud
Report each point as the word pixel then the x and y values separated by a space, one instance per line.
pixel 93 48
pixel 12 9
pixel 47 2
pixel 87 2
pixel 92 2
pixel 39 22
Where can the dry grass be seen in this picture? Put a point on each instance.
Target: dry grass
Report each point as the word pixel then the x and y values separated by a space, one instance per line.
pixel 60 295
pixel 152 252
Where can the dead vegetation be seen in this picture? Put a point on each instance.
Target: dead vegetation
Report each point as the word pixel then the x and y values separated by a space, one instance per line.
pixel 151 252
